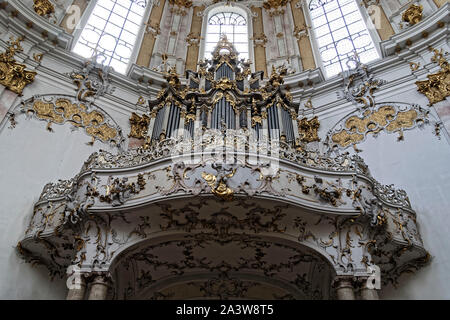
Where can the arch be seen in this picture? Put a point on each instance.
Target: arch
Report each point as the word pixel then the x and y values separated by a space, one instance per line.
pixel 238 285
pixel 146 262
pixel 233 25
pixel 232 7
pixel 279 239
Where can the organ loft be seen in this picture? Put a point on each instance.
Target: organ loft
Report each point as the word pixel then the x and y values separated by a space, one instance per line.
pixel 263 150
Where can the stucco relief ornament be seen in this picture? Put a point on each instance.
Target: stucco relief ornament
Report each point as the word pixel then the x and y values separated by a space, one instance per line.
pixel 218 184
pixel 13 74
pixel 388 117
pixel 181 3
pixel 139 126
pixel 274 4
pixel 55 109
pixel 413 14
pixel 301 32
pixel 359 83
pixel 437 87
pixel 118 191
pixel 260 40
pixel 93 80
pixel 43 7
pixel 193 39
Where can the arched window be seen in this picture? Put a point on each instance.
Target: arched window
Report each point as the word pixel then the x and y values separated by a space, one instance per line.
pixel 234 26
pixel 111 32
pixel 340 31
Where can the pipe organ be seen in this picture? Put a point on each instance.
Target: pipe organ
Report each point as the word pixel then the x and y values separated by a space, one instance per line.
pixel 224 95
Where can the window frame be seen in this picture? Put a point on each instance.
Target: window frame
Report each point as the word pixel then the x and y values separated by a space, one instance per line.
pixel 228 15
pixel 139 36
pixel 316 52
pixel 236 8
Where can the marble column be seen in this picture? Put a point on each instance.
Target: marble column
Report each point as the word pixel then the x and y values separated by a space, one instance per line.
pixel 151 32
pixel 368 294
pixel 344 289
pixel 301 32
pixel 194 35
pixel 259 41
pixel 99 288
pixel 77 292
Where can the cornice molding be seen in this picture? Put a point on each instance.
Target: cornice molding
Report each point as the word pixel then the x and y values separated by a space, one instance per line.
pixel 418 31
pixel 39 24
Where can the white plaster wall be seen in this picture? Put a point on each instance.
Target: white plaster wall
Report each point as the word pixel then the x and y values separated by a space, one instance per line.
pixel 30 157
pixel 419 165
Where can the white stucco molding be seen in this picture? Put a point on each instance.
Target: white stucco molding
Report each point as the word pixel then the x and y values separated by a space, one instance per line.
pixel 415 33
pixel 25 15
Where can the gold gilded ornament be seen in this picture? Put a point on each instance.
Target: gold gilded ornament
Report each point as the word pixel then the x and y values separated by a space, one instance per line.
pixel 274 4
pixel 12 74
pixel 222 190
pixel 437 87
pixel 139 126
pixel 65 111
pixel 385 118
pixel 413 14
pixel 181 3
pixel 307 129
pixel 43 7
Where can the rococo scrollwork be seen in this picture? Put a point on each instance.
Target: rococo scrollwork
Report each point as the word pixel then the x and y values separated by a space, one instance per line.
pixel 43 7
pixel 13 74
pixel 437 87
pixel 236 202
pixel 60 109
pixel 413 14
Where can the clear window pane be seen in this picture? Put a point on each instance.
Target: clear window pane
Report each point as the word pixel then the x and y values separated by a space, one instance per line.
pixel 234 26
pixel 111 32
pixel 340 31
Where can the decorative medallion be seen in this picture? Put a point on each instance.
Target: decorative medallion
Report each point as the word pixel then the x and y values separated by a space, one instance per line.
pixel 390 118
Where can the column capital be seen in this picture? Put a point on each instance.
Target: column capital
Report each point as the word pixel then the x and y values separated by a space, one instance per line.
pixel 98 277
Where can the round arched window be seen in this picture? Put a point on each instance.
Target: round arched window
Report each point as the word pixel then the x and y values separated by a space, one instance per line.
pixel 234 26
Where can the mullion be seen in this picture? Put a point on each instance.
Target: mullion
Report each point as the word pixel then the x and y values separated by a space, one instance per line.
pixel 331 33
pixel 349 34
pixel 118 38
pixel 103 31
